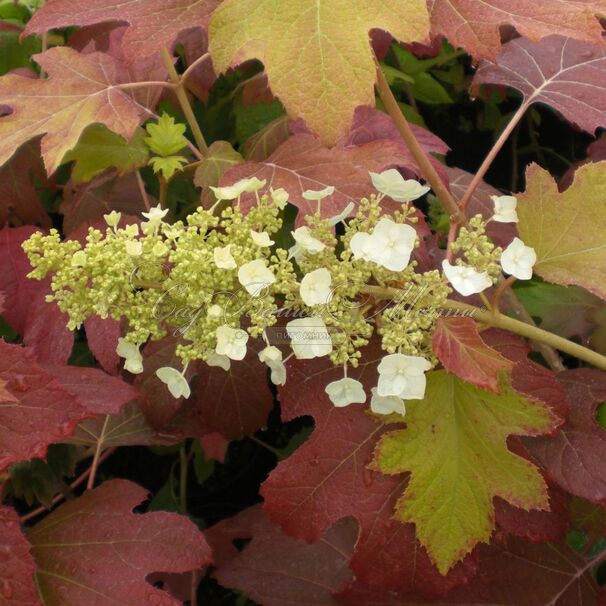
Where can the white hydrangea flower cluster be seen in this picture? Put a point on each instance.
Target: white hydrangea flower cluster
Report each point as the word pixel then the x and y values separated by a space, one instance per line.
pixel 219 280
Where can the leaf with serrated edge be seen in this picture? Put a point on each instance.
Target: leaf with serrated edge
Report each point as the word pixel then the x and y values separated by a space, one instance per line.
pixel 35 410
pixel 79 91
pixel 327 479
pixel 454 445
pixel 567 229
pixel 475 24
pixel 94 550
pixel 274 567
pixel 17 587
pixel 317 55
pixel 154 24
pixel 565 74
pixel 303 163
pixel 458 345
pixel 99 149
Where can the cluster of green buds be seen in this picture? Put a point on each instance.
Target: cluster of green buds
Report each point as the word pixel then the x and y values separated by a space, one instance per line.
pixel 218 279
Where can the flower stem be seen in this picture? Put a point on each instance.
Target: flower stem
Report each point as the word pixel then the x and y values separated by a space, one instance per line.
pixel 498 320
pixel 492 154
pixel 454 210
pixel 184 102
pixel 421 158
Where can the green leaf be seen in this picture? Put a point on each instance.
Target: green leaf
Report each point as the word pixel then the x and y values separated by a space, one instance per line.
pixel 99 149
pixel 393 74
pixel 250 119
pixel 316 55
pixel 221 157
pixel 14 54
pixel 455 447
pixel 39 480
pixel 567 228
pixel 168 166
pixel 567 311
pixel 166 137
pixel 203 467
pixel 428 90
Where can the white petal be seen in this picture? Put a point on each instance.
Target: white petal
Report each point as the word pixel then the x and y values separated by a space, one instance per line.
pixel 316 288
pixel 505 209
pixel 113 218
pixel 177 384
pixel 231 342
pixel 215 359
pixel 518 260
pixel 306 241
pixel 223 258
pixel 360 245
pixel 261 238
pixel 385 405
pixel 392 184
pixel 279 197
pixel 345 392
pixel 312 194
pixel 256 277
pixel 466 280
pixel 346 212
pixel 309 338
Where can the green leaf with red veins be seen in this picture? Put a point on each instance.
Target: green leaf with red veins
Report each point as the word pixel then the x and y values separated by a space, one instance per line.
pixel 93 550
pixel 81 89
pixel 475 24
pixel 317 55
pixel 455 448
pixel 567 229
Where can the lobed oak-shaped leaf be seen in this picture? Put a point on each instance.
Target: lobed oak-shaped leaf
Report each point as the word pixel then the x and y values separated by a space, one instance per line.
pixel 512 572
pixel 35 410
pixel 99 149
pixel 317 55
pixel 568 75
pixel 93 550
pixel 574 458
pixel 567 229
pixel 274 569
pixel 97 391
pixel 81 89
pixel 328 479
pixel 302 162
pixel 454 446
pixel 154 24
pixel 127 428
pixel 459 347
pixel 17 587
pixel 42 326
pixel 475 24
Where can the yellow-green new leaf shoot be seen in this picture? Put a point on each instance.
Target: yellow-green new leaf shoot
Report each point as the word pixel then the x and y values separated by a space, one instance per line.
pixel 166 137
